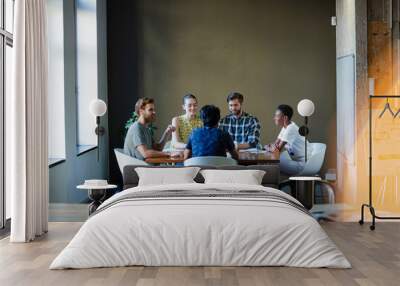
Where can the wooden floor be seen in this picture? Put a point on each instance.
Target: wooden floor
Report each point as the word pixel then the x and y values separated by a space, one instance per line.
pixel 375 257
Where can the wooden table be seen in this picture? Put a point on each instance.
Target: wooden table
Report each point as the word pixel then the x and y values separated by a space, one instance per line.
pixel 245 158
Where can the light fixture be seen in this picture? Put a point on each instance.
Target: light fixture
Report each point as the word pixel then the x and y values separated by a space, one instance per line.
pixel 305 108
pixel 98 108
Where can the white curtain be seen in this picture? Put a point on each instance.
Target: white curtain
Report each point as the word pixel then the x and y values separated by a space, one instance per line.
pixel 27 154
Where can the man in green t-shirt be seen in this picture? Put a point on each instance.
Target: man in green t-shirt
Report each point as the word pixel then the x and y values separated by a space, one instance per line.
pixel 139 142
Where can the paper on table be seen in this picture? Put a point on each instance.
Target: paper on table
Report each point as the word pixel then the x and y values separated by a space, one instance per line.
pixel 252 150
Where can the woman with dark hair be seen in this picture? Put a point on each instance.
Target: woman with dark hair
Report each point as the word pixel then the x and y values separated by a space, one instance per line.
pixel 184 124
pixel 210 140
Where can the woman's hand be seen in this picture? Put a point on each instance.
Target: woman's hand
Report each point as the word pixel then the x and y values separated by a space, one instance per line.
pixel 168 131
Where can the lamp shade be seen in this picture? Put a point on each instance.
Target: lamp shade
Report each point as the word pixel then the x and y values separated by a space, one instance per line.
pixel 97 107
pixel 305 107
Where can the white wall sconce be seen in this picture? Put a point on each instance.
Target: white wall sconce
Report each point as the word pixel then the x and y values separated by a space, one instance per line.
pixel 305 108
pixel 98 108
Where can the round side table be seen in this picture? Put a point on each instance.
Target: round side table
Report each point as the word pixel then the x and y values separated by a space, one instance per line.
pixel 304 192
pixel 96 194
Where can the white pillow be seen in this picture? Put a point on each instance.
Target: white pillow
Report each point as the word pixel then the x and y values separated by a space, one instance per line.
pixel 248 177
pixel 166 176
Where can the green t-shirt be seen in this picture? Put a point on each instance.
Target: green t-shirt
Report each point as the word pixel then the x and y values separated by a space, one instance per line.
pixel 138 134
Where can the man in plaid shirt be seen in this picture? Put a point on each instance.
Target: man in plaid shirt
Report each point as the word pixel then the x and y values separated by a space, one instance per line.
pixel 243 127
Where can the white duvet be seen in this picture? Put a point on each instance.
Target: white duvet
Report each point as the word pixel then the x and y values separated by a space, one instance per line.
pixel 200 231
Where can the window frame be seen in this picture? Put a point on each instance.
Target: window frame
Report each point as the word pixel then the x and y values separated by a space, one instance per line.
pixel 82 148
pixel 61 157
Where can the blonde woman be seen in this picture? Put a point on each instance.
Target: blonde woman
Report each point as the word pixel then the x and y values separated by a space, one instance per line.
pixel 184 124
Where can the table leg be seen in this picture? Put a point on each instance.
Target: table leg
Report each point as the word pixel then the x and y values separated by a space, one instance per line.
pixel 305 193
pixel 96 196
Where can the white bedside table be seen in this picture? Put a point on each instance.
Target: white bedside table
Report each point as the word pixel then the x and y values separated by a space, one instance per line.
pixel 96 194
pixel 304 192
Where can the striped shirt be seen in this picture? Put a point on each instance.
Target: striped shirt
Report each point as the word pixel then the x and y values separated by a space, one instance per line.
pixel 243 129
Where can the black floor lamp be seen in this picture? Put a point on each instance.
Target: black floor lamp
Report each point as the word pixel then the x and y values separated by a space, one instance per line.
pixel 305 108
pixel 304 185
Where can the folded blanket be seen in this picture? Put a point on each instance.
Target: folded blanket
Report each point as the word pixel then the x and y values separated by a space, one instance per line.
pixel 206 193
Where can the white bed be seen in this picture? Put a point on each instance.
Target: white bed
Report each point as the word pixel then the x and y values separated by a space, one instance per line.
pixel 185 230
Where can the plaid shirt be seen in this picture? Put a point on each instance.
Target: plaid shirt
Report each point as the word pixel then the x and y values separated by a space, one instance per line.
pixel 245 129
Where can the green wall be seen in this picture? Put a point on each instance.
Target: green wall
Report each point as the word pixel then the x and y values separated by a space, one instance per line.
pixel 271 51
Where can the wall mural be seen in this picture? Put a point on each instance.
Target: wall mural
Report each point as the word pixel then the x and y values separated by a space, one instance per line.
pixel 386 159
pixel 382 66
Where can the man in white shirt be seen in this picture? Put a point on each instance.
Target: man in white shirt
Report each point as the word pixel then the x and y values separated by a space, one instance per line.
pixel 289 142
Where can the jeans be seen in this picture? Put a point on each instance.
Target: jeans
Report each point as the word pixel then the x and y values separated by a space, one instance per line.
pixel 288 166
